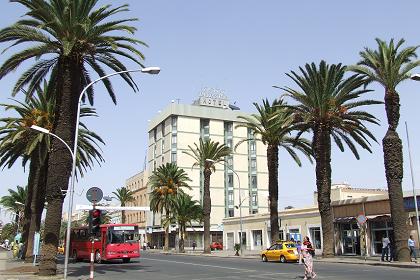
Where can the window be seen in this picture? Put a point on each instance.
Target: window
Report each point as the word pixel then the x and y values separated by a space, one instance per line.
pixel 315 233
pixel 254 211
pixel 254 199
pixel 154 150
pixel 243 238
pixel 173 140
pixel 155 135
pixel 230 213
pixel 252 147
pixel 205 127
pixel 173 157
pixel 253 163
pixel 174 122
pixel 230 162
pixel 230 180
pixel 281 234
pixel 229 143
pixel 163 146
pixel 254 181
pixel 230 198
pixel 163 129
pixel 228 129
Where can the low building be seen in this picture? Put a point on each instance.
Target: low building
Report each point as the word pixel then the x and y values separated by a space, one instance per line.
pixel 349 238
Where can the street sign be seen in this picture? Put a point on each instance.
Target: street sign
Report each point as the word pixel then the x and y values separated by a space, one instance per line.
pixel 361 219
pixel 94 195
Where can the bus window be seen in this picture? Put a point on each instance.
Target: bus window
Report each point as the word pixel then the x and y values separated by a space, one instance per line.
pixel 122 236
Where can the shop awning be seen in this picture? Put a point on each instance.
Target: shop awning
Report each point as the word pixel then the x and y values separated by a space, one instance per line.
pixel 344 219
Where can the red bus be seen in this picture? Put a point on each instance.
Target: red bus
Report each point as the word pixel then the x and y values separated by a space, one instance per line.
pixel 114 241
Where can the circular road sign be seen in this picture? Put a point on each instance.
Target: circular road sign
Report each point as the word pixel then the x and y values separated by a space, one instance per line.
pixel 94 195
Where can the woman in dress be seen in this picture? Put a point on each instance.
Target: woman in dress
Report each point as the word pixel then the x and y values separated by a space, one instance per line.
pixel 306 250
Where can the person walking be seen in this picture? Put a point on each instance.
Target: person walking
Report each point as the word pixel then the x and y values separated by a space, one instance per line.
pixel 385 248
pixel 299 249
pixel 194 245
pixel 412 246
pixel 306 250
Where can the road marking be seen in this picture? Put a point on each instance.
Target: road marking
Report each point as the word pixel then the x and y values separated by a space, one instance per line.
pixel 206 265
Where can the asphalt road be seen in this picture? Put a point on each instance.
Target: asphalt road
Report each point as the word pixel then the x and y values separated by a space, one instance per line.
pixel 152 266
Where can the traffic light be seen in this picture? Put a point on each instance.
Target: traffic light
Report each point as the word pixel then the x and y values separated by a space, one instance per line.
pixel 94 221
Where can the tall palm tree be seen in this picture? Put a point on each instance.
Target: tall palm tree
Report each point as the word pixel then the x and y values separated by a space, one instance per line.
pixel 166 183
pixel 124 196
pixel 206 155
pixel 273 126
pixel 390 65
pixel 185 211
pixel 70 39
pixel 18 141
pixel 328 107
pixel 15 202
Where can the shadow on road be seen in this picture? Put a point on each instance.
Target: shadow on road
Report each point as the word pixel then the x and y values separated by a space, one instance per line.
pixel 83 268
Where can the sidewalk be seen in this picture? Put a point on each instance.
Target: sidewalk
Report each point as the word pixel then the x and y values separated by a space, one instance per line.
pixel 12 269
pixel 375 261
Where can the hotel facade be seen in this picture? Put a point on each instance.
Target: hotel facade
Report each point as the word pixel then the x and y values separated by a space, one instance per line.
pixel 242 181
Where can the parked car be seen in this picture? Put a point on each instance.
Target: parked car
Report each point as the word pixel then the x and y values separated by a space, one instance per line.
pixel 60 250
pixel 283 252
pixel 216 246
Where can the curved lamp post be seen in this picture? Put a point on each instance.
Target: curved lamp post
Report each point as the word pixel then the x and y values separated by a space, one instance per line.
pixel 148 70
pixel 239 196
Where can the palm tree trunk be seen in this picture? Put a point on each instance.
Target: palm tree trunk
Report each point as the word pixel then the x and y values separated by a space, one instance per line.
pixel 37 206
pixel 59 161
pixel 273 189
pixel 181 240
pixel 206 211
pixel 32 179
pixel 393 161
pixel 123 216
pixel 321 145
pixel 166 247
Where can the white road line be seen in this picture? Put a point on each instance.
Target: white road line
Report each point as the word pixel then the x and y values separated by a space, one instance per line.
pixel 206 265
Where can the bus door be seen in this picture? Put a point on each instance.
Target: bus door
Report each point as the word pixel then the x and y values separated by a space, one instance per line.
pixel 103 242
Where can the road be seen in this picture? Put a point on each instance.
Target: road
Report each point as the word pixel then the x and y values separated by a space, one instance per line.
pixel 152 266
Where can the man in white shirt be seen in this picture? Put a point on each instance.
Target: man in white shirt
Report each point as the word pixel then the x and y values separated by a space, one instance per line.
pixel 385 248
pixel 412 246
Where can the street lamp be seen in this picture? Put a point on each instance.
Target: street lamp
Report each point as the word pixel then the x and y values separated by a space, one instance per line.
pixel 147 70
pixel 239 196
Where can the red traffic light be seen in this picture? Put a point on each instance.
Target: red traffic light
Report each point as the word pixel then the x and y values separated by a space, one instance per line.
pixel 96 213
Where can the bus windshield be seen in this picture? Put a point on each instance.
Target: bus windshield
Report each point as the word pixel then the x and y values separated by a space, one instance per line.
pixel 123 234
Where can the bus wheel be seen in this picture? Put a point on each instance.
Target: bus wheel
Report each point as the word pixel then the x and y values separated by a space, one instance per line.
pixel 98 258
pixel 74 256
pixel 126 260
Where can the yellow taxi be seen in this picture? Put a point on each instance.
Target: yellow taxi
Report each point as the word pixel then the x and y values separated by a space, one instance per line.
pixel 281 251
pixel 60 249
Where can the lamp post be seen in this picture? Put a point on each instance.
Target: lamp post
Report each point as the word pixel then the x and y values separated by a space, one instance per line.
pixel 148 70
pixel 239 196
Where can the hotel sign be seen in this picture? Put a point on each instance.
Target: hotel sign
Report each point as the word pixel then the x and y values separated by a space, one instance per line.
pixel 213 97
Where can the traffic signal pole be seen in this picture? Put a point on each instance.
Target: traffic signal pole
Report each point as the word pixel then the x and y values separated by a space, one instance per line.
pixel 92 252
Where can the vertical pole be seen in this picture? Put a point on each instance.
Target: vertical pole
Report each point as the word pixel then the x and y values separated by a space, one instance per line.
pixel 92 253
pixel 412 183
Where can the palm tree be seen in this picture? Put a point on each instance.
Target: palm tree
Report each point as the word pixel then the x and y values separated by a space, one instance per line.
pixel 71 39
pixel 185 211
pixel 15 202
pixel 390 65
pixel 166 183
pixel 124 196
pixel 328 107
pixel 206 155
pixel 273 126
pixel 18 141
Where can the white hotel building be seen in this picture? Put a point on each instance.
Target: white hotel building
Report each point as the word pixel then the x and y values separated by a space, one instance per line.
pixel 210 117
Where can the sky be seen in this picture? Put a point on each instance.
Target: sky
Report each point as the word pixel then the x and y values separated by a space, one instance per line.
pixel 242 47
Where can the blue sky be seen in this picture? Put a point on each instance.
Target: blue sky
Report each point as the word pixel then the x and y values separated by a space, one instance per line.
pixel 243 47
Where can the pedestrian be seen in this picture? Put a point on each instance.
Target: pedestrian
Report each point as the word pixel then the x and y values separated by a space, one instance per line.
pixel 194 245
pixel 412 246
pixel 391 249
pixel 144 245
pixel 308 261
pixel 385 248
pixel 299 248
